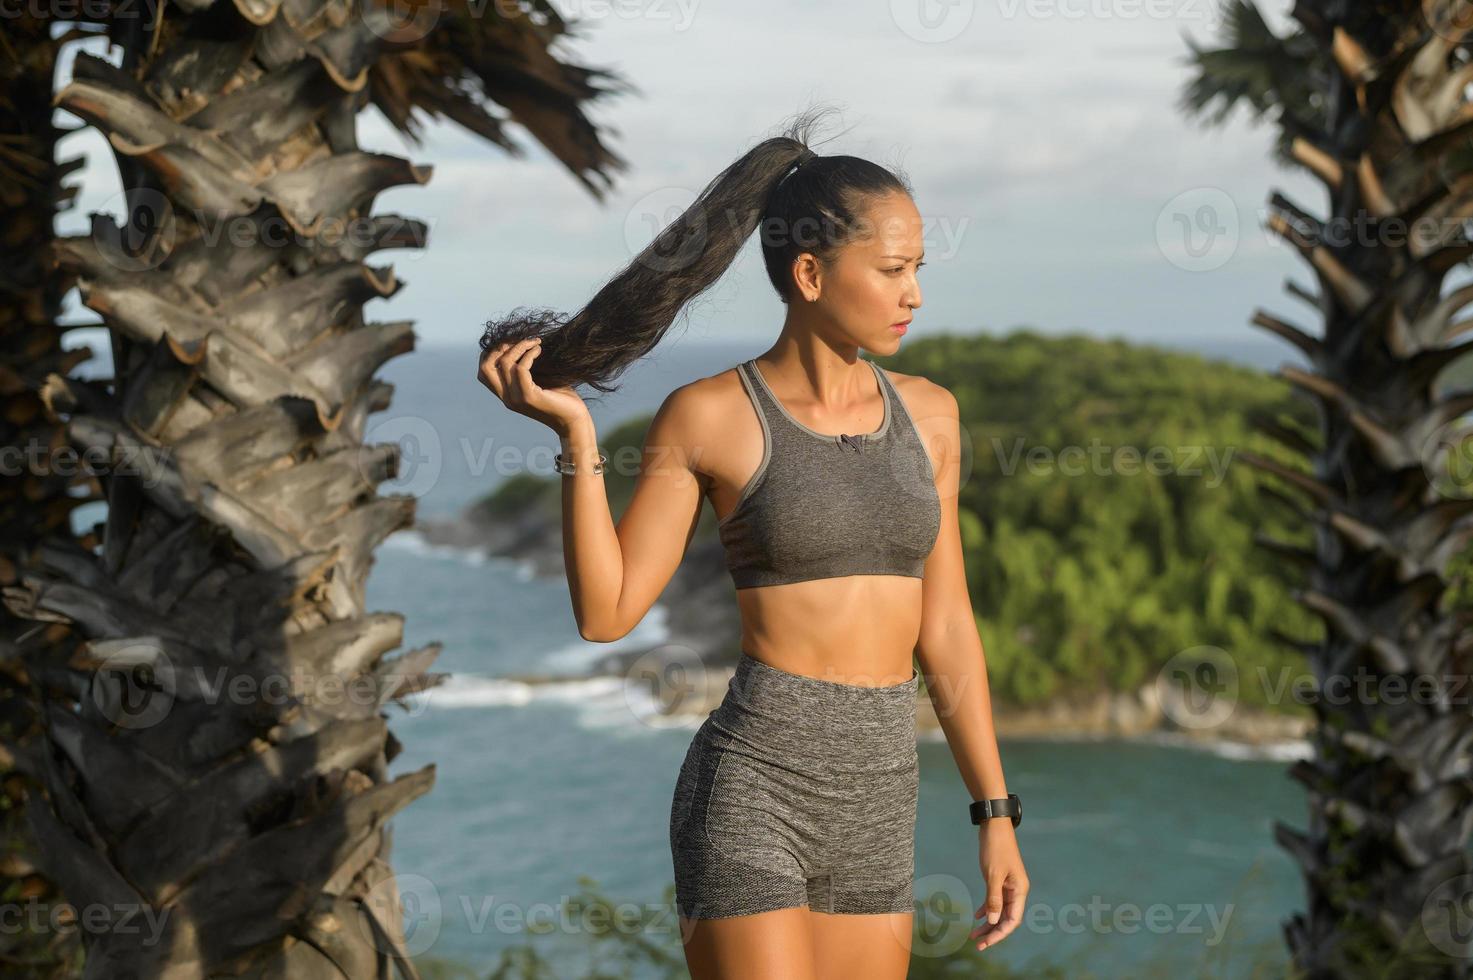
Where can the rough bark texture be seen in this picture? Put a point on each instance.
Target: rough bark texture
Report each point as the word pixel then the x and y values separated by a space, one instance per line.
pixel 1370 99
pixel 38 491
pixel 214 766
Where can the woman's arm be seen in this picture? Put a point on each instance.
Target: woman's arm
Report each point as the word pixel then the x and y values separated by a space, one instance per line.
pixel 948 649
pixel 615 574
pixel 951 658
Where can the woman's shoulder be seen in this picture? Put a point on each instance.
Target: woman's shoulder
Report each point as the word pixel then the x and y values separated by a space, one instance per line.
pixel 695 412
pixel 705 401
pixel 923 396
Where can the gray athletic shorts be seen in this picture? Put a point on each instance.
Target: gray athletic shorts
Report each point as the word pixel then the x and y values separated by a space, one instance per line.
pixel 798 791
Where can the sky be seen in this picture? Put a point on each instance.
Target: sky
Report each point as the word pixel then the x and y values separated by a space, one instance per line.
pixel 1060 188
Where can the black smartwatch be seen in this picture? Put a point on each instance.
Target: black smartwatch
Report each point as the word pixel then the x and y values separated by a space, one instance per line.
pixel 986 809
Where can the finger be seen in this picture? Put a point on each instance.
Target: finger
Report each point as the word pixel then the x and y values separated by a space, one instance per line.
pixel 486 371
pixel 505 349
pixel 507 364
pixel 1002 893
pixel 507 368
pixel 488 374
pixel 1012 915
pixel 985 928
pixel 993 905
pixel 524 363
pixel 522 379
pixel 991 935
pixel 987 936
pixel 496 352
pixel 1002 930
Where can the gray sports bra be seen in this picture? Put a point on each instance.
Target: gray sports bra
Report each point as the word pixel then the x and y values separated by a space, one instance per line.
pixel 824 506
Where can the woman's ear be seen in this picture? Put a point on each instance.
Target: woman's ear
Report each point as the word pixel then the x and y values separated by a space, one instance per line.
pixel 805 274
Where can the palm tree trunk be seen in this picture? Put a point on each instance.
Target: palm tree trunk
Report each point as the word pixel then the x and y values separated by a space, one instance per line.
pixel 1369 100
pixel 242 517
pixel 215 760
pixel 37 492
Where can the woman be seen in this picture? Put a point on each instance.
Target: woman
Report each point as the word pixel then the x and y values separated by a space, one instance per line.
pixel 792 823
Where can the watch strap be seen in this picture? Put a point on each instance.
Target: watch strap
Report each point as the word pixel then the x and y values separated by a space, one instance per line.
pixel 1010 806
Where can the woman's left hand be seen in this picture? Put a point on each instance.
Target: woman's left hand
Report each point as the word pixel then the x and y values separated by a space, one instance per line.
pixel 1007 883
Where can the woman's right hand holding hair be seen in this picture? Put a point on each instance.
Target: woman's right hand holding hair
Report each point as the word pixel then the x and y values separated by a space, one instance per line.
pixel 507 370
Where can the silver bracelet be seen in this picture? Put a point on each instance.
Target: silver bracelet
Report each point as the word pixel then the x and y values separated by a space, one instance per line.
pixel 567 467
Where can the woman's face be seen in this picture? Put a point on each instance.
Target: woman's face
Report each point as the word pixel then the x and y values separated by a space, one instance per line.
pixel 872 285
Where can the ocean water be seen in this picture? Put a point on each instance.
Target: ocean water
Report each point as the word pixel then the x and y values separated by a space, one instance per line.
pixel 1145 859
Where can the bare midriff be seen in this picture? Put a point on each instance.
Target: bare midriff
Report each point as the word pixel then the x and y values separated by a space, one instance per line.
pixel 858 629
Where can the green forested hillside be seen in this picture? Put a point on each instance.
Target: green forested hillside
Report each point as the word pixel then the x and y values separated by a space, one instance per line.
pixel 1106 521
pixel 1095 569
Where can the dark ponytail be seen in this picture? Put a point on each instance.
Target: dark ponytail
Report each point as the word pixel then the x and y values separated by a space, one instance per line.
pixel 815 208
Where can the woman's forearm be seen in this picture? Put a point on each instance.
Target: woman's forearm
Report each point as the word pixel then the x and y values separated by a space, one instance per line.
pixel 591 553
pixel 955 669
